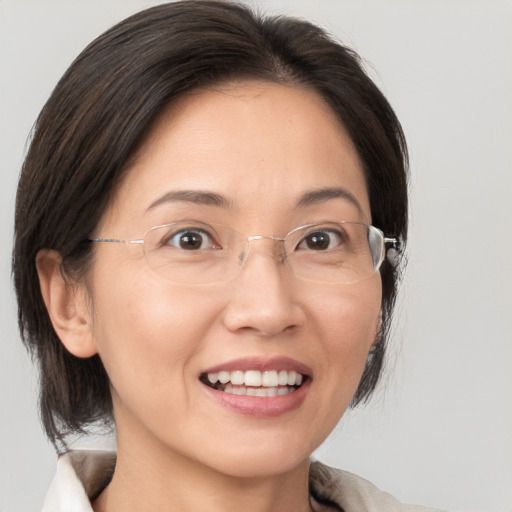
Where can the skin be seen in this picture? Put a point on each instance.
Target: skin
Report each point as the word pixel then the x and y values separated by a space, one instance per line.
pixel 262 146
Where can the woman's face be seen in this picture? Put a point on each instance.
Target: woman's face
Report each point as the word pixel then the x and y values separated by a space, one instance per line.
pixel 246 155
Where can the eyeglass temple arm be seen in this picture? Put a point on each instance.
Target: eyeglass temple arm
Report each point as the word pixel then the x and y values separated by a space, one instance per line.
pixel 393 252
pixel 114 241
pixel 395 243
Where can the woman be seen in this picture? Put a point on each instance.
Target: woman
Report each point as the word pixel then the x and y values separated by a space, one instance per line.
pixel 207 226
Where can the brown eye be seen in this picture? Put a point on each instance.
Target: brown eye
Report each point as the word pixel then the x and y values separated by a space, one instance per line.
pixel 191 240
pixel 320 240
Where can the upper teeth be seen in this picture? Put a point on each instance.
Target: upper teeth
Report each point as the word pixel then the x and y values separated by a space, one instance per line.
pixel 267 379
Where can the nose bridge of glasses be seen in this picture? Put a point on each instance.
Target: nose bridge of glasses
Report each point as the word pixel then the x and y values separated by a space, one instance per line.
pixel 278 252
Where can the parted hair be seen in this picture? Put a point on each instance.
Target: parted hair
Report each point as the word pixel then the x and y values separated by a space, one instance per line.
pixel 100 112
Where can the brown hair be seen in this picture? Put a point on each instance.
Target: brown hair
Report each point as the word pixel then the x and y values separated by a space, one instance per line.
pixel 100 111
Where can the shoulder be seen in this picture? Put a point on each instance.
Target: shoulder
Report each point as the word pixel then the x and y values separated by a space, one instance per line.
pixel 353 493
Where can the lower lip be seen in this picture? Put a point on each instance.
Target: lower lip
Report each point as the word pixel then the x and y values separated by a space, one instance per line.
pixel 260 406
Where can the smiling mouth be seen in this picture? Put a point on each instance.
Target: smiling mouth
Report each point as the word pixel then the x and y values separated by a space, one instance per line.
pixel 254 383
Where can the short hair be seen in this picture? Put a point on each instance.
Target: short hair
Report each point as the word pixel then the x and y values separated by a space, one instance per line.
pixel 101 110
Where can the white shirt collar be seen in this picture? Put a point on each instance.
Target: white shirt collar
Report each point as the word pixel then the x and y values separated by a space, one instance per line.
pixel 81 474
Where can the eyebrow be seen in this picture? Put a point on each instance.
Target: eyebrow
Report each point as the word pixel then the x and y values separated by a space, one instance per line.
pixel 213 199
pixel 325 194
pixel 192 196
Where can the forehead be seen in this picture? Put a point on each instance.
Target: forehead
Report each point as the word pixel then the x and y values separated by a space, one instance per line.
pixel 260 145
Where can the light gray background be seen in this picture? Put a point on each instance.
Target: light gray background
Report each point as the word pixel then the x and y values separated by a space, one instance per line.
pixel 440 433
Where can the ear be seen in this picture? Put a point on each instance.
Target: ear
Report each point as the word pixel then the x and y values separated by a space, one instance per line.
pixel 66 304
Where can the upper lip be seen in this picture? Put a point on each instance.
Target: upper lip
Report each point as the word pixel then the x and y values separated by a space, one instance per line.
pixel 261 364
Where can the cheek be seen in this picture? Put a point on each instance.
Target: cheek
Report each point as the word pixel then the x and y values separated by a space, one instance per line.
pixel 343 328
pixel 351 314
pixel 146 330
pixel 349 321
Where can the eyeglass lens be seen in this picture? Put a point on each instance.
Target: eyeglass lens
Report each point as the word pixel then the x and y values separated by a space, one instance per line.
pixel 195 252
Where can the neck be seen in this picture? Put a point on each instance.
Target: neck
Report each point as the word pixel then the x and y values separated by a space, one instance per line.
pixel 151 477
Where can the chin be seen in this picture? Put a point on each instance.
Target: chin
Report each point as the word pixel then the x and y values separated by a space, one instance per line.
pixel 259 466
pixel 265 455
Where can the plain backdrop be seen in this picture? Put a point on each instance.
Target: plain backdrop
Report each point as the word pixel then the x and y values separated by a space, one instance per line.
pixel 439 431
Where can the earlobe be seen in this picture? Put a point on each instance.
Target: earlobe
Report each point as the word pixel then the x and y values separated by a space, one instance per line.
pixel 66 305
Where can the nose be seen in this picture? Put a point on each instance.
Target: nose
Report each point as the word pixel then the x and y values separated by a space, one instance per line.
pixel 263 297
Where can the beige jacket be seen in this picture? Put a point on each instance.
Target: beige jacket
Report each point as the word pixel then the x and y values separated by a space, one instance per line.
pixel 83 473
